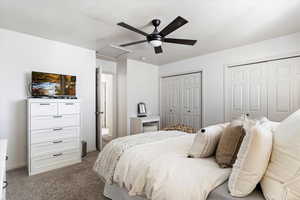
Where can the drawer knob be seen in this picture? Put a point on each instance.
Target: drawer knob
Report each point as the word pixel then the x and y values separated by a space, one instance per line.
pixel 56 142
pixel 69 104
pixel 57 116
pixel 57 129
pixel 56 155
pixel 5 184
pixel 6 157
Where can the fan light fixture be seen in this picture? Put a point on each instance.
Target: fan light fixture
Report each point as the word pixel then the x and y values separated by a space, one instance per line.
pixel 156 38
pixel 155 43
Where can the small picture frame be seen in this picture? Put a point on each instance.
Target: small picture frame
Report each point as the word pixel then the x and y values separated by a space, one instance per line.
pixel 142 112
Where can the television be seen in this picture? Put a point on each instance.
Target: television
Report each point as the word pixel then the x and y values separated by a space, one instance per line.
pixel 52 85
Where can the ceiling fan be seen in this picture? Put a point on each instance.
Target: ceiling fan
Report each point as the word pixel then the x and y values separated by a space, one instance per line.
pixel 156 38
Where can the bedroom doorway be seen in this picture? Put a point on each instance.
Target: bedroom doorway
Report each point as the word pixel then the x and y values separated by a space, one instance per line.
pixel 104 108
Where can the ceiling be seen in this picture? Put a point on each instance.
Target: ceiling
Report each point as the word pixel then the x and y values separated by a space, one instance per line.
pixel 216 24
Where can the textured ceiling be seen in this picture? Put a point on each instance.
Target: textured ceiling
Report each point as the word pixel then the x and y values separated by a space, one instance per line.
pixel 216 24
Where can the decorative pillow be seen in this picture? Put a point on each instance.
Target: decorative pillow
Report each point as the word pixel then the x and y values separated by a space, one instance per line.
pixel 206 141
pixel 282 178
pixel 229 144
pixel 252 160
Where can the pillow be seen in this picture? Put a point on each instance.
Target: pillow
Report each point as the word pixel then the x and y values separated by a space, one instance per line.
pixel 282 178
pixel 269 124
pixel 229 144
pixel 252 160
pixel 206 141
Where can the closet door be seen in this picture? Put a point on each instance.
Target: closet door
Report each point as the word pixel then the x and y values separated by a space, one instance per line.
pixel 257 95
pixel 171 101
pixel 284 88
pixel 296 84
pixel 236 92
pixel 247 92
pixel 191 100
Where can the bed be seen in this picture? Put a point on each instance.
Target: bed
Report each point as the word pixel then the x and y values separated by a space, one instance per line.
pixel 155 166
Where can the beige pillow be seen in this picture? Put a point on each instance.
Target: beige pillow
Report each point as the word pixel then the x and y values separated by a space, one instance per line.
pixel 282 178
pixel 206 141
pixel 252 160
pixel 229 144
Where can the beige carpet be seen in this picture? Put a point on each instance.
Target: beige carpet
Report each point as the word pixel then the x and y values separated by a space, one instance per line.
pixel 76 182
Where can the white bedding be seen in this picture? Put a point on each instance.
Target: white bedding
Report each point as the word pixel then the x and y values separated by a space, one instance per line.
pixel 161 171
pixel 108 158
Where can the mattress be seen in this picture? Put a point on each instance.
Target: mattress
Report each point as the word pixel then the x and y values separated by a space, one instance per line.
pixel 115 192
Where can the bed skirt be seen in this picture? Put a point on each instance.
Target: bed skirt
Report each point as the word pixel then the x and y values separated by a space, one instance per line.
pixel 114 192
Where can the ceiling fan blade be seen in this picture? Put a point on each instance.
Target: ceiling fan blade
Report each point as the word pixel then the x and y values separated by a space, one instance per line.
pixel 124 25
pixel 180 41
pixel 132 43
pixel 158 50
pixel 177 23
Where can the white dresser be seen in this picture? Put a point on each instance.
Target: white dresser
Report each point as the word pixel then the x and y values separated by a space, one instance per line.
pixel 3 157
pixel 53 134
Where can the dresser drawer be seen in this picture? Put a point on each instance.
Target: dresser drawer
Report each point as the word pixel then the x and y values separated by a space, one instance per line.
pixel 47 135
pixel 60 121
pixel 58 145
pixel 40 109
pixel 67 108
pixel 53 161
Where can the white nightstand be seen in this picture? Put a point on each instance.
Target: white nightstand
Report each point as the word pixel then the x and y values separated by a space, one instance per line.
pixel 144 124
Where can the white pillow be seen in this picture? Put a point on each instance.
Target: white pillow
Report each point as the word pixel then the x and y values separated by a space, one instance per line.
pixel 282 179
pixel 269 124
pixel 252 160
pixel 206 141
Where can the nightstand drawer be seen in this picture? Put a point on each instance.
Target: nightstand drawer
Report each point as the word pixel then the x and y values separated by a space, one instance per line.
pixel 58 145
pixel 55 160
pixel 47 135
pixel 56 121
pixel 43 108
pixel 67 108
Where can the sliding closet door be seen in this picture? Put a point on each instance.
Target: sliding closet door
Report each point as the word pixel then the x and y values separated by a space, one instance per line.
pixel 170 101
pixel 284 88
pixel 191 100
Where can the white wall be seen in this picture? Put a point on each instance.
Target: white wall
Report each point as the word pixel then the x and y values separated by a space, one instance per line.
pixel 19 55
pixel 213 67
pixel 142 86
pixel 107 66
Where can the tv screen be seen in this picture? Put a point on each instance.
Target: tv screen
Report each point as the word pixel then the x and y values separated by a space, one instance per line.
pixel 48 84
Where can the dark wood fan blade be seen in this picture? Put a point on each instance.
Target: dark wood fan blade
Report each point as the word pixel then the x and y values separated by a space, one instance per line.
pixel 158 50
pixel 132 43
pixel 132 28
pixel 177 23
pixel 180 41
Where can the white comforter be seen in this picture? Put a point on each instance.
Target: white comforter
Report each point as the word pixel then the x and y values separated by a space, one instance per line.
pixel 161 171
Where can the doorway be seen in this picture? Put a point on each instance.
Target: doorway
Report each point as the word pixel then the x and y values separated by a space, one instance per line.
pixel 104 108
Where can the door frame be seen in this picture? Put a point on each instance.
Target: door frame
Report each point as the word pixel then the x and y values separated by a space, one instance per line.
pixel 266 59
pixel 203 90
pixel 99 142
